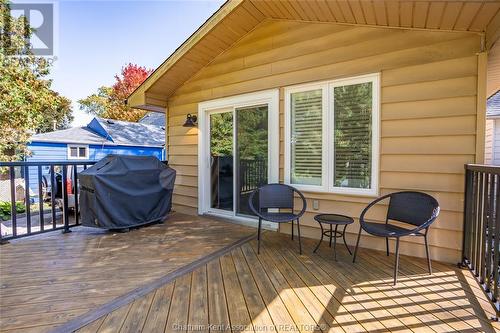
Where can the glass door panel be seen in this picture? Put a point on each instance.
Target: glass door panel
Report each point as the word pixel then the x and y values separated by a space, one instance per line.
pixel 221 161
pixel 251 153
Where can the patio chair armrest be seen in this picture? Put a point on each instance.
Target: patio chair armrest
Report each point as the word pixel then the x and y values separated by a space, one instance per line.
pixel 370 205
pixel 250 203
pixel 304 202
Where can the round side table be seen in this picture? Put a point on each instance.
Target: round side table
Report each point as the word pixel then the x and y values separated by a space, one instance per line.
pixel 333 220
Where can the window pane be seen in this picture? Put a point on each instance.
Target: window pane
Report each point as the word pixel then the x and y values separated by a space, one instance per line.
pixel 306 140
pixel 221 160
pixel 73 152
pixel 353 135
pixel 82 151
pixel 251 153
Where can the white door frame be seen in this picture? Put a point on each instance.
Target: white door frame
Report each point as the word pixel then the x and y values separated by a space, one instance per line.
pixel 269 97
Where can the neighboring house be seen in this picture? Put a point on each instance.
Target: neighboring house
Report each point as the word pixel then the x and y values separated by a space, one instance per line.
pixel 492 145
pixel 350 100
pixel 92 142
pixel 98 139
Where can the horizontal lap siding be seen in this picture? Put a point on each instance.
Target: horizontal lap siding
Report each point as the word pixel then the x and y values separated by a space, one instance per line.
pixel 428 114
pixel 488 144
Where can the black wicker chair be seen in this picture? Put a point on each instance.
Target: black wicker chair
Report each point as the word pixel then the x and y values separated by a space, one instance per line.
pixel 276 197
pixel 417 209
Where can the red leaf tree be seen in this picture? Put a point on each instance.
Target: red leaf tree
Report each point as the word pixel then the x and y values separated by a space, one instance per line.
pixel 109 101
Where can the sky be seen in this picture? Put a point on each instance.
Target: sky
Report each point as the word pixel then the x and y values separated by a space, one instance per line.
pixel 97 38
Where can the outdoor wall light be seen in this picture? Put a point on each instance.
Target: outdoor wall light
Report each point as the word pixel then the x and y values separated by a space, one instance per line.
pixel 190 120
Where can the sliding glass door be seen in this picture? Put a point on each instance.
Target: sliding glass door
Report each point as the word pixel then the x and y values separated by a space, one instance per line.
pixel 238 151
pixel 239 156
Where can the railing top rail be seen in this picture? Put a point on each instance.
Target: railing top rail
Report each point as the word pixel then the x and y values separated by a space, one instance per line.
pixel 483 168
pixel 44 163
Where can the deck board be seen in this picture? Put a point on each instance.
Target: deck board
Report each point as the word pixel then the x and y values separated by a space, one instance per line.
pixel 280 290
pixel 277 290
pixel 52 278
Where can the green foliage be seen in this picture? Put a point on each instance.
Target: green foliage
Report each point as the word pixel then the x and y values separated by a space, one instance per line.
pixel 6 207
pixel 98 104
pixel 353 126
pixel 109 102
pixel 27 102
pixel 221 134
pixel 251 131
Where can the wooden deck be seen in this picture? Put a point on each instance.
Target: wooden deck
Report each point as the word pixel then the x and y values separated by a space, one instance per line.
pixel 52 278
pixel 281 291
pixel 277 291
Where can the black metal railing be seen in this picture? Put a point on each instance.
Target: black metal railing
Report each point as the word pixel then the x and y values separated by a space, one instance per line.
pixel 481 232
pixel 252 174
pixel 37 197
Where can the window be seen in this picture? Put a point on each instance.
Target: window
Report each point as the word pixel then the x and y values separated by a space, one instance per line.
pixel 332 136
pixel 78 152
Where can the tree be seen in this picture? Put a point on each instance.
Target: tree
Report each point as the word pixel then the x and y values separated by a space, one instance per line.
pixel 27 103
pixel 109 102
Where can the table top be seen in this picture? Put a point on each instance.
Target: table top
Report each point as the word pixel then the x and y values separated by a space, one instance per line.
pixel 334 219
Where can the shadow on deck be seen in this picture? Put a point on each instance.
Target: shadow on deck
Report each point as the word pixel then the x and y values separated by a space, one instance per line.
pixel 234 290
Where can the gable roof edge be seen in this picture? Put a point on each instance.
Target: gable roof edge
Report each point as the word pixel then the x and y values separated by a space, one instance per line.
pixel 137 98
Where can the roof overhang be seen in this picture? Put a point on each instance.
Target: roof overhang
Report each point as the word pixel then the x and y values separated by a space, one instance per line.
pixel 236 18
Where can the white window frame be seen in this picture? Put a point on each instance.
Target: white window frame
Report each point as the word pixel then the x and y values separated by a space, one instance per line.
pixel 327 179
pixel 86 157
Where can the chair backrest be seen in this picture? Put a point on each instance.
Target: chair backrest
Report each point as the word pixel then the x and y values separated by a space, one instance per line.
pixel 414 208
pixel 276 196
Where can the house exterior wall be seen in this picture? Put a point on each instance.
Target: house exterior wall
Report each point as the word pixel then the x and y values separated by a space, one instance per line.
pixel 49 151
pixel 428 112
pixel 496 142
pixel 488 141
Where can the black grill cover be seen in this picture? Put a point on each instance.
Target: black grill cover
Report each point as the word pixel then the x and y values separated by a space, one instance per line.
pixel 125 191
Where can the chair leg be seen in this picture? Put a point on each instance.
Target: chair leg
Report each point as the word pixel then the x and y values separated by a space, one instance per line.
pixel 427 252
pixel 387 245
pixel 331 233
pixel 356 248
pixel 258 236
pixel 345 243
pixel 396 263
pixel 292 229
pixel 298 232
pixel 321 239
pixel 335 243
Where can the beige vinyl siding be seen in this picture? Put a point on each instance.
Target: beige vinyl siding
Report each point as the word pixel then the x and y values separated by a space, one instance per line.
pixel 495 159
pixel 428 111
pixel 488 143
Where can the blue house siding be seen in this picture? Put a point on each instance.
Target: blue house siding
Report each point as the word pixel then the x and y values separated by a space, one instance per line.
pixel 50 152
pixel 96 152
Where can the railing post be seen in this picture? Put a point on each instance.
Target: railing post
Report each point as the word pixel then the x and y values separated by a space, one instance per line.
pixel 467 217
pixel 65 199
pixel 13 208
pixel 76 194
pixel 53 189
pixel 40 199
pixel 27 199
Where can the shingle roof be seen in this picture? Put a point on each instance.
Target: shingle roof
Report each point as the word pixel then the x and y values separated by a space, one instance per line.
pixel 135 134
pixel 71 135
pixel 153 118
pixel 493 105
pixel 119 133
